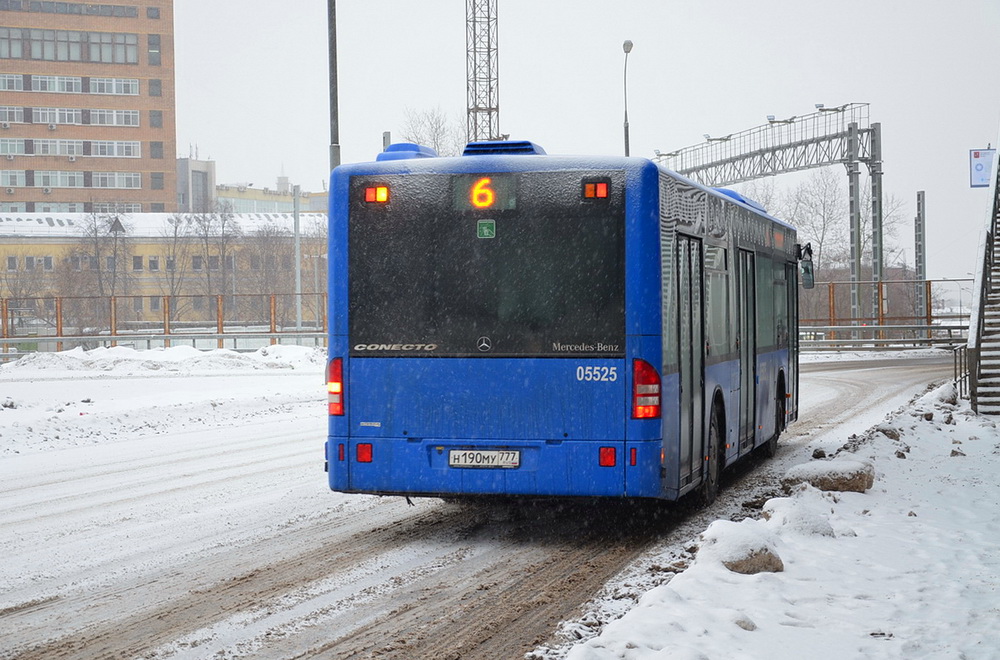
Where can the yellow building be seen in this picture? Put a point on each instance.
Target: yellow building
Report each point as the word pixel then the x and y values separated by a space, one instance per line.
pixel 76 269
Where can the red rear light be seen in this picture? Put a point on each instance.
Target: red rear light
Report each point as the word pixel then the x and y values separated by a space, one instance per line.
pixel 335 386
pixel 364 453
pixel 377 194
pixel 607 456
pixel 340 452
pixel 645 390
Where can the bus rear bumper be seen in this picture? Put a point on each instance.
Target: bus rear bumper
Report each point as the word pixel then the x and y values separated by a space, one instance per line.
pixel 425 467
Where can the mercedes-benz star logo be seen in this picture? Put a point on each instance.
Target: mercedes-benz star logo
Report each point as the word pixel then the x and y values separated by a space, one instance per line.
pixel 484 344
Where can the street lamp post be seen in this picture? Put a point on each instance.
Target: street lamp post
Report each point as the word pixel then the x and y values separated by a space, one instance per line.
pixel 627 47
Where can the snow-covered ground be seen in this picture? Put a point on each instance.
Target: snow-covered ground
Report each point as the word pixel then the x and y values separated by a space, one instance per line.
pixel 909 569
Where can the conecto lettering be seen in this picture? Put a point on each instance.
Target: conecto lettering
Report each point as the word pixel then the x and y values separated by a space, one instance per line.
pixel 395 347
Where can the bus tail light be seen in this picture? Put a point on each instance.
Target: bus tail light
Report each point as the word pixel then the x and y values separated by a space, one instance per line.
pixel 607 457
pixel 377 194
pixel 335 386
pixel 645 390
pixel 364 452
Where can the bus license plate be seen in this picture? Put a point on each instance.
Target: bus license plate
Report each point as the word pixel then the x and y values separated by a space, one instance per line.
pixel 477 458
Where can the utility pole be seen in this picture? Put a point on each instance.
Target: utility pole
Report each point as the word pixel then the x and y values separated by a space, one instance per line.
pixel 334 111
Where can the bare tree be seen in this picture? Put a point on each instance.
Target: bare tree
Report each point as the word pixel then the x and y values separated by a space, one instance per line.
pixel 818 208
pixel 214 258
pixel 270 255
pixel 434 129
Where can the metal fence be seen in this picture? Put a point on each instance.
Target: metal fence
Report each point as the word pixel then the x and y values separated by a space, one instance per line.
pixel 898 313
pixel 901 313
pixel 235 321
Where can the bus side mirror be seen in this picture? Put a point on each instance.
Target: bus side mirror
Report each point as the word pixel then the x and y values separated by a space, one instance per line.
pixel 806 266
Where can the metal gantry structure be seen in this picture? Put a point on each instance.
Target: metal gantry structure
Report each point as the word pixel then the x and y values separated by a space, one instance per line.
pixel 841 134
pixel 483 95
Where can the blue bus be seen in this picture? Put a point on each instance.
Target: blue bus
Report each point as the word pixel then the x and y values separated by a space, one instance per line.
pixel 513 323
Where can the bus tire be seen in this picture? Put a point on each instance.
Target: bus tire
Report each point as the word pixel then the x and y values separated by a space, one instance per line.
pixel 713 467
pixel 771 447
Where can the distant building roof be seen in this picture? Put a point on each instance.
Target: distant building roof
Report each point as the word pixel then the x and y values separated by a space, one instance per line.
pixel 144 225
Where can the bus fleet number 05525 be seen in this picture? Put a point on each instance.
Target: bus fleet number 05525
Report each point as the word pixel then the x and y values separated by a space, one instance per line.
pixel 604 374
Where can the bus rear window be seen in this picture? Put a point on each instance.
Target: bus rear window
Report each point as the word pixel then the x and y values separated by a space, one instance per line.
pixel 437 271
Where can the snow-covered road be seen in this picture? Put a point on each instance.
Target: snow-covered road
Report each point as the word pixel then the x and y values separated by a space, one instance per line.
pixel 173 505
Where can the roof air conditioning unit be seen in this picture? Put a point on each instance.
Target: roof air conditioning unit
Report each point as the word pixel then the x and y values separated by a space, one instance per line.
pixel 47 191
pixel 10 191
pixel 52 127
pixel 4 124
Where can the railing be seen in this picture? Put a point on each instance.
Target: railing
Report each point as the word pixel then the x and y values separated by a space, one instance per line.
pixel 246 321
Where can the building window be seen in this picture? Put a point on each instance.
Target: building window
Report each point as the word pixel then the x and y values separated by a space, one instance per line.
pixel 196 262
pixel 29 263
pixel 153 42
pixel 156 118
pixel 137 304
pixel 11 263
pixel 231 262
pixel 103 117
pixel 115 86
pixel 155 87
pixel 156 180
pixel 127 180
pixel 11 43
pixel 48 263
pixel 10 82
pixel 13 146
pixel 44 115
pixel 109 263
pixel 115 149
pixel 156 150
pixel 154 264
pixel 12 178
pixel 68 46
pixel 10 113
pixel 77 8
pixel 213 262
pixel 157 207
pixel 171 261
pixel 152 12
pixel 136 263
pixel 154 303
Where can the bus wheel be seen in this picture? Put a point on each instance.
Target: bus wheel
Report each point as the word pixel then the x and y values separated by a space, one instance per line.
pixel 713 467
pixel 771 448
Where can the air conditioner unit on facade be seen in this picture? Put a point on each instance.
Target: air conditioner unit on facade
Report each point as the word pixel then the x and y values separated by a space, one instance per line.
pixel 10 191
pixel 52 127
pixel 47 191
pixel 4 124
pixel 72 159
pixel 10 156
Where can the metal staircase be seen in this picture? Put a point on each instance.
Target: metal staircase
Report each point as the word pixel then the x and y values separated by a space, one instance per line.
pixel 984 335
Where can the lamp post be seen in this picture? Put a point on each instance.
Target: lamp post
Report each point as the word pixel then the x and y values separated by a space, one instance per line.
pixel 627 47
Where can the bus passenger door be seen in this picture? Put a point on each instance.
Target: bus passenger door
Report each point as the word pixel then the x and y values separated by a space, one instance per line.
pixel 747 302
pixel 691 340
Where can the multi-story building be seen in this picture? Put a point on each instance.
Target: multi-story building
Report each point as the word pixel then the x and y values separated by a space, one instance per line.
pixel 87 116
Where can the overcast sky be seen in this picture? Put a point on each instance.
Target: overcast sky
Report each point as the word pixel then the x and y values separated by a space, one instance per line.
pixel 252 83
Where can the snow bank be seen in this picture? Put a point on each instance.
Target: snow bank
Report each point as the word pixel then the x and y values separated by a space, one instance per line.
pixel 123 361
pixel 51 401
pixel 908 569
